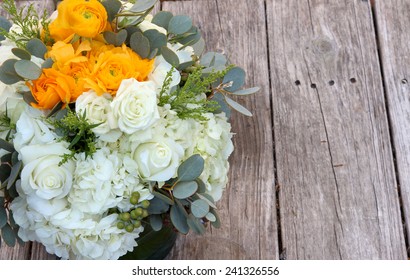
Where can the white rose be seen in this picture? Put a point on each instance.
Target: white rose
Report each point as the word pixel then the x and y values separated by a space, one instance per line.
pixel 42 175
pixel 158 159
pixel 135 105
pixel 158 75
pixel 98 111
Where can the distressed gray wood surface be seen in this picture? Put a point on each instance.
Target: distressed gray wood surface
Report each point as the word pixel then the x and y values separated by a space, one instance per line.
pixel 338 191
pixel 393 21
pixel 248 211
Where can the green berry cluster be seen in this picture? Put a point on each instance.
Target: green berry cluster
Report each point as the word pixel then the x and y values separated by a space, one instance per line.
pixel 132 220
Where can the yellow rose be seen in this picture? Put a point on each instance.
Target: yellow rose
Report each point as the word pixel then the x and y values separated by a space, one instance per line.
pixel 110 65
pixel 86 18
pixel 53 87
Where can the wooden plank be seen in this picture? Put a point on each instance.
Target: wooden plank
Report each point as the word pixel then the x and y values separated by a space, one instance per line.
pixel 338 191
pixel 39 5
pixel 248 211
pixel 14 253
pixel 393 20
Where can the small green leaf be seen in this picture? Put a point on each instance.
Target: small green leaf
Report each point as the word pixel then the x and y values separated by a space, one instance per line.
pixel 116 39
pixel 185 65
pixel 27 69
pixel 156 38
pixel 180 24
pixel 20 53
pixel 29 98
pixel 162 19
pixel 6 145
pixel 140 44
pixel 112 7
pixel 237 76
pixel 157 206
pixel 153 54
pixel 8 74
pixel 163 197
pixel 213 58
pixel 201 186
pixel 191 168
pixel 217 223
pixel 5 25
pixel 14 157
pixel 238 107
pixel 48 63
pixel 155 222
pixel 179 220
pixel 199 208
pixel 206 197
pixel 12 191
pixel 191 37
pixel 3 216
pixel 223 106
pixel 36 47
pixel 184 190
pixel 170 56
pixel 143 5
pixel 15 171
pixel 199 47
pixel 12 222
pixel 8 235
pixel 210 217
pixel 211 69
pixel 247 91
pixel 195 225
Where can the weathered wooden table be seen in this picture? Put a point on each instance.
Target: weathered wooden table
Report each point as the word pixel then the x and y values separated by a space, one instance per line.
pixel 322 170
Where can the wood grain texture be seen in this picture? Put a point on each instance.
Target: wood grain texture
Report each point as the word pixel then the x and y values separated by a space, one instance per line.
pixel 393 21
pixel 338 191
pixel 39 5
pixel 15 253
pixel 248 211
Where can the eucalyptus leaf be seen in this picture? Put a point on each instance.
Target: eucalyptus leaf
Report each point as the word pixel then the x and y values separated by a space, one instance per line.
pixel 153 54
pixel 199 208
pixel 178 219
pixel 195 225
pixel 237 76
pixel 213 58
pixel 156 38
pixel 8 235
pixel 20 53
pixel 163 197
pixel 210 217
pixel 15 171
pixel 8 74
pixel 36 47
pixel 238 107
pixel 143 5
pixel 180 24
pixel 201 186
pixel 223 106
pixel 170 56
pixel 140 44
pixel 5 170
pixel 157 206
pixel 191 168
pixel 213 69
pixel 247 91
pixel 48 63
pixel 191 37
pixel 14 157
pixel 112 7
pixel 116 39
pixel 29 98
pixel 199 47
pixel 56 109
pixel 155 222
pixel 3 216
pixel 6 145
pixel 184 190
pixel 217 223
pixel 12 222
pixel 206 197
pixel 5 25
pixel 162 19
pixel 12 191
pixel 27 69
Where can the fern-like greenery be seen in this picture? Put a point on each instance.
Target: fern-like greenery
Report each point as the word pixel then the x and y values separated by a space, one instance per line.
pixel 188 101
pixel 29 21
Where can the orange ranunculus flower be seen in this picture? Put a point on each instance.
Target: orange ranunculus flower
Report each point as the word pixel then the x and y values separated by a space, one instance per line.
pixel 110 65
pixel 65 55
pixel 86 18
pixel 53 87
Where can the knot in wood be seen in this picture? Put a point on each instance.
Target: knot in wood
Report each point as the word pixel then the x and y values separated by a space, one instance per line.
pixel 323 46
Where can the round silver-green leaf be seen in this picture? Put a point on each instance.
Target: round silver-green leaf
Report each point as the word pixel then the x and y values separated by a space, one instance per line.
pixel 140 44
pixel 162 19
pixel 20 53
pixel 27 69
pixel 192 36
pixel 195 225
pixel 237 76
pixel 157 206
pixel 210 217
pixel 8 74
pixel 112 7
pixel 143 5
pixel 217 223
pixel 4 24
pixel 238 107
pixel 156 38
pixel 36 47
pixel 170 56
pixel 116 39
pixel 184 190
pixel 179 220
pixel 180 24
pixel 8 235
pixel 191 168
pixel 199 208
pixel 48 63
pixel 155 222
pixel 3 216
pixel 247 91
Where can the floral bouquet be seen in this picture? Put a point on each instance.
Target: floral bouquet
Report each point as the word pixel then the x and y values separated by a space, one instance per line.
pixel 114 126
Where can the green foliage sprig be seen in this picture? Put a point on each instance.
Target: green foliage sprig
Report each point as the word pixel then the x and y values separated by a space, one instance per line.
pixel 76 130
pixel 29 21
